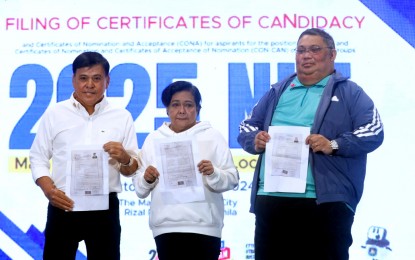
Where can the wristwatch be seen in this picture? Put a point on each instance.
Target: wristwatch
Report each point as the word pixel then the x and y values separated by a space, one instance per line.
pixel 130 162
pixel 334 146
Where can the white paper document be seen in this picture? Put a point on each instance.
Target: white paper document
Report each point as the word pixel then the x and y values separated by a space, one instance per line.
pixel 286 159
pixel 180 180
pixel 87 178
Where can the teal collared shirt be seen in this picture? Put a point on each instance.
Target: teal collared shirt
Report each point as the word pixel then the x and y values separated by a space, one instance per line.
pixel 296 107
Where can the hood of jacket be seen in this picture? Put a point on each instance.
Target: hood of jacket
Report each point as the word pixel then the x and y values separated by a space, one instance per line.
pixel 165 130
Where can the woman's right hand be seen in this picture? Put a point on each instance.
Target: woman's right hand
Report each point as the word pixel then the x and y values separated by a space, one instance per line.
pixel 151 174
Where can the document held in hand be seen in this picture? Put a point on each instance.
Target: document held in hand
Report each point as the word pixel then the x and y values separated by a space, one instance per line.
pixel 286 159
pixel 87 178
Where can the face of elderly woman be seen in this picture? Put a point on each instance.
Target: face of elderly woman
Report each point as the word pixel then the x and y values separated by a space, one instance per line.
pixel 182 111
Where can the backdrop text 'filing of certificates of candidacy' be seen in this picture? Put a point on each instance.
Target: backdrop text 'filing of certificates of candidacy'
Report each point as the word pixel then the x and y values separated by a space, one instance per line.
pixel 286 159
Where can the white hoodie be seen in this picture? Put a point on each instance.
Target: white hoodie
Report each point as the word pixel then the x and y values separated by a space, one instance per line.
pixel 201 217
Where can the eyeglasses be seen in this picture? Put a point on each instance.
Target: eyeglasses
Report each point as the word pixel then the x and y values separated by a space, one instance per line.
pixel 312 49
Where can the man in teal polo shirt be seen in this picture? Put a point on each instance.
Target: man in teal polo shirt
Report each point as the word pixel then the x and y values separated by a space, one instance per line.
pixel 316 222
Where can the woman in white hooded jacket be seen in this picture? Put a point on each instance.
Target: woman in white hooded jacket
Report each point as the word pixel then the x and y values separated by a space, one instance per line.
pixel 187 220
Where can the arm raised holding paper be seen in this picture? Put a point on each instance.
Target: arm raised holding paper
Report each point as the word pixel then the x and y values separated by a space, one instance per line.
pixel 127 163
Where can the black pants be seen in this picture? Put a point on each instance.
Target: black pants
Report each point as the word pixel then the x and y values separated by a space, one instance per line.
pixel 187 246
pixel 101 231
pixel 298 228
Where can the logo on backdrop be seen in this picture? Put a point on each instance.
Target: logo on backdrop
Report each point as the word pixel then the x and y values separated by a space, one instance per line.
pixel 377 245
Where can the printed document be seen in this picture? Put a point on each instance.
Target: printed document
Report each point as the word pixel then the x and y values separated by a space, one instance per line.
pixel 180 180
pixel 87 178
pixel 286 159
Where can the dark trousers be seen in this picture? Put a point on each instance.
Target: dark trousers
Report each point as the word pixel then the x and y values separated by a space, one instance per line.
pixel 298 228
pixel 187 246
pixel 101 231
